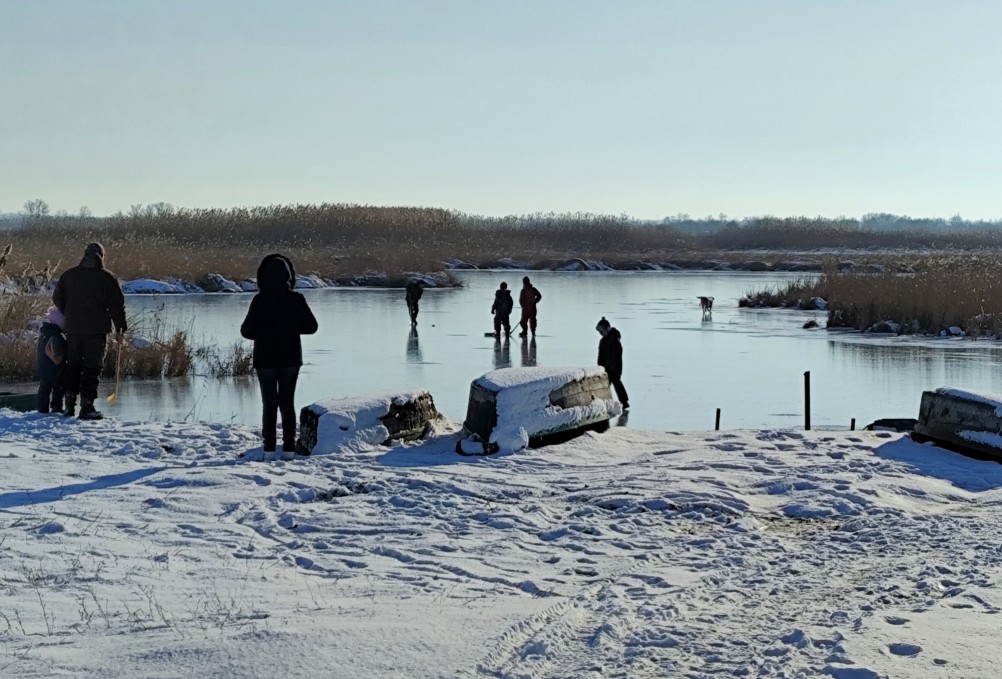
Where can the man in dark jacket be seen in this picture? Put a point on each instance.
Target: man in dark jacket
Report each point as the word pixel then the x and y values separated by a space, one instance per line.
pixel 91 301
pixel 610 357
pixel 501 309
pixel 414 291
pixel 277 317
pixel 528 298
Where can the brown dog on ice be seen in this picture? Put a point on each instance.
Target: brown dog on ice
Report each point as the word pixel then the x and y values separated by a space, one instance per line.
pixel 706 305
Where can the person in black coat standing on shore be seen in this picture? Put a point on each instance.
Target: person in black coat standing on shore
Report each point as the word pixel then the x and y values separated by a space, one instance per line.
pixel 610 357
pixel 91 301
pixel 278 315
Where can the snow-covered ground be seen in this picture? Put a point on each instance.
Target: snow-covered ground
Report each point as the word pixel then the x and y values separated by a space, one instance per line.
pixel 152 550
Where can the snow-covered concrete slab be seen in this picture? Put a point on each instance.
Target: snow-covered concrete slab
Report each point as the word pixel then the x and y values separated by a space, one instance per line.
pixel 964 419
pixel 347 423
pixel 510 406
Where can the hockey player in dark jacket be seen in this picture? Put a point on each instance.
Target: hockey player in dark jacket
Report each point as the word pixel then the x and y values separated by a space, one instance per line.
pixel 91 300
pixel 50 359
pixel 501 309
pixel 528 298
pixel 278 315
pixel 610 357
pixel 413 293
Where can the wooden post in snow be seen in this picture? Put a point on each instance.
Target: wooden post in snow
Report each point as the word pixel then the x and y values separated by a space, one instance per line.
pixel 716 427
pixel 807 399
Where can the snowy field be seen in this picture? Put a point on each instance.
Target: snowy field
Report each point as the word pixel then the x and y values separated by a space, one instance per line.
pixel 152 550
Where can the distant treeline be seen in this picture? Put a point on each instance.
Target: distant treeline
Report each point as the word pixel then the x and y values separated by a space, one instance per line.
pixel 160 240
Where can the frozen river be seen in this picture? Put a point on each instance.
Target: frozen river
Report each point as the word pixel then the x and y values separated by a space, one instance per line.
pixel 679 367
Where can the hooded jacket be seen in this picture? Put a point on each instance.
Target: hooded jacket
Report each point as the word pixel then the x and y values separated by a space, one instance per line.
pixel 48 371
pixel 277 316
pixel 528 298
pixel 414 291
pixel 503 302
pixel 90 298
pixel 610 353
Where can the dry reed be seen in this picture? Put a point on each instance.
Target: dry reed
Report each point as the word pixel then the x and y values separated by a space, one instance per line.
pixel 330 240
pixel 943 292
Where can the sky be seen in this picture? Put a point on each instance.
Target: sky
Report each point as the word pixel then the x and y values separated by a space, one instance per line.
pixel 646 108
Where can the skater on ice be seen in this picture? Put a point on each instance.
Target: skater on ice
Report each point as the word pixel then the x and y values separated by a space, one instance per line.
pixel 501 309
pixel 414 291
pixel 528 298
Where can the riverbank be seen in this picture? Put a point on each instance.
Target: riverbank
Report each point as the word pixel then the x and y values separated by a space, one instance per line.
pixel 155 347
pixel 337 243
pixel 155 550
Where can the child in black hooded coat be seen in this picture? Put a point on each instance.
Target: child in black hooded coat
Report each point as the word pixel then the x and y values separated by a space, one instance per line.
pixel 277 317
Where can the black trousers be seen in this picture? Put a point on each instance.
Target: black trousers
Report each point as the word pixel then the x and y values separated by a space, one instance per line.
pixel 84 363
pixel 50 396
pixel 501 320
pixel 617 383
pixel 412 308
pixel 528 321
pixel 278 391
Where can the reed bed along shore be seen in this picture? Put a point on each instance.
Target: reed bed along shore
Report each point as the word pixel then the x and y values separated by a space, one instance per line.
pixel 329 241
pixel 337 241
pixel 153 349
pixel 941 294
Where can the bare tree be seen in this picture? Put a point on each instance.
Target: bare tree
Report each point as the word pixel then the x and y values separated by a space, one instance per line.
pixel 36 208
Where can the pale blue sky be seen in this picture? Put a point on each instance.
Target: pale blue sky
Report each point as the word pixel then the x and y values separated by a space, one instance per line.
pixel 649 108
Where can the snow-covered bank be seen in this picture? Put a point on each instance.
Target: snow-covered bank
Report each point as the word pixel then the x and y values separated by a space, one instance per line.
pixel 216 283
pixel 150 550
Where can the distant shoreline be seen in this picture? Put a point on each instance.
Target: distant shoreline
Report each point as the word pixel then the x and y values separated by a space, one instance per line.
pixel 215 283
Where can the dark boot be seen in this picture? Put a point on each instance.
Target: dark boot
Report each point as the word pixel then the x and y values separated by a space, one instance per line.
pixel 71 405
pixel 88 412
pixel 269 445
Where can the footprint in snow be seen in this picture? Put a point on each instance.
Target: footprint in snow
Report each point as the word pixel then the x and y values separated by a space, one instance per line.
pixel 586 571
pixel 904 649
pixel 843 672
pixel 895 620
pixel 259 480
